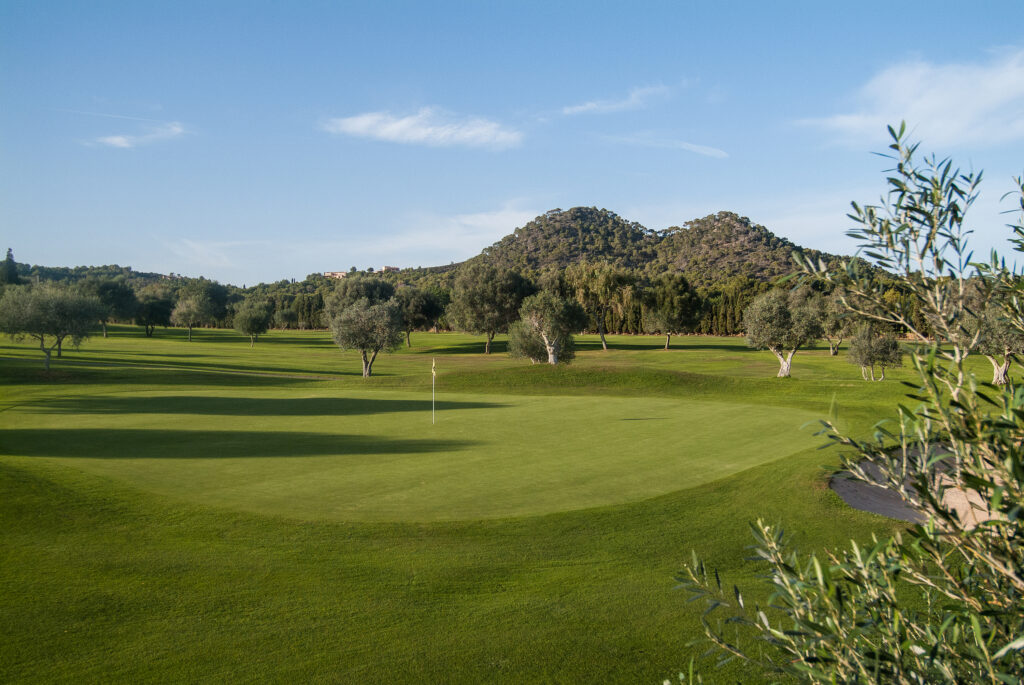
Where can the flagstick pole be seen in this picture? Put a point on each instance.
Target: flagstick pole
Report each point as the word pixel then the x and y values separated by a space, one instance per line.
pixel 433 395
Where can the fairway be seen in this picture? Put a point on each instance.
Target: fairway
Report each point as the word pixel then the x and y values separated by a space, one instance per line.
pixel 346 455
pixel 210 512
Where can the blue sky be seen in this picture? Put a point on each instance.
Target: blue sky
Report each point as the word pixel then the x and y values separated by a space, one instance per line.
pixel 254 141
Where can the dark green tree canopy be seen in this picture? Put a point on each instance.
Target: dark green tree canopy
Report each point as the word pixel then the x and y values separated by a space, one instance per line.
pixel 486 300
pixel 671 305
pixel 153 310
pixel 117 297
pixel 9 270
pixel 420 309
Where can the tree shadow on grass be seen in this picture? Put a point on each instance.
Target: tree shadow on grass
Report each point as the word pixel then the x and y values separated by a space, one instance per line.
pixel 248 406
pixel 126 443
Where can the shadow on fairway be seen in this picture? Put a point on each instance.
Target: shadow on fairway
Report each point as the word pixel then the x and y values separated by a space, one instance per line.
pixel 106 443
pixel 249 406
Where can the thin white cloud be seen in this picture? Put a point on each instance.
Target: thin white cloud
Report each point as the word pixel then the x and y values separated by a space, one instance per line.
pixel 945 104
pixel 413 239
pixel 429 126
pixel 648 140
pixel 637 99
pixel 216 253
pixel 153 134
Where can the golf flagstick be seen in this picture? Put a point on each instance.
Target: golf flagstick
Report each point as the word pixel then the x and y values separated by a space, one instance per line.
pixel 433 391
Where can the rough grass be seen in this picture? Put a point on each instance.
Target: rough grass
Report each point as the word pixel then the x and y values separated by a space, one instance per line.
pixel 169 515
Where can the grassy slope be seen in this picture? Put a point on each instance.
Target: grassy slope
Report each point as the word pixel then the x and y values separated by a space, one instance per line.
pixel 102 580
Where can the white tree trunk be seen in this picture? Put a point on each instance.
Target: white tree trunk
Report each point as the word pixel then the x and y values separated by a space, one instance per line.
pixel 785 362
pixel 999 370
pixel 668 339
pixel 552 348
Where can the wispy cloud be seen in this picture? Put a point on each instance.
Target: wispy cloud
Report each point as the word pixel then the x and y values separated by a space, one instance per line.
pixel 946 104
pixel 429 126
pixel 637 99
pixel 197 254
pixel 661 143
pixel 151 134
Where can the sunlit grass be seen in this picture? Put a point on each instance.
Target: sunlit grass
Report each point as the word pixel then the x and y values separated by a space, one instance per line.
pixel 206 512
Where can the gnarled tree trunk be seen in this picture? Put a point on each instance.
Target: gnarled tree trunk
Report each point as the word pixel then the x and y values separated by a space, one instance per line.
pixel 552 348
pixel 487 345
pixel 999 369
pixel 668 339
pixel 785 362
pixel 368 362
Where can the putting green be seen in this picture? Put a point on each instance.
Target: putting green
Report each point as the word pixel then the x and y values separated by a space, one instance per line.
pixel 328 453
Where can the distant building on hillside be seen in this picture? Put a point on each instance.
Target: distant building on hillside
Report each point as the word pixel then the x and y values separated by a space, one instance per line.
pixel 335 274
pixel 385 269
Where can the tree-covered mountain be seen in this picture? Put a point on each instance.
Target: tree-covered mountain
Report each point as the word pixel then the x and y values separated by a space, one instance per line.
pixel 707 251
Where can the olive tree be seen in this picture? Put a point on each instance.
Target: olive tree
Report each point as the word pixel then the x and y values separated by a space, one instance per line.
pixel 153 310
pixel 671 306
pixel 420 309
pixel 252 318
pixel 870 348
pixel 836 322
pixel 999 341
pixel 943 601
pixel 486 300
pixel 550 320
pixel 783 321
pixel 49 315
pixel 193 310
pixel 117 297
pixel 369 328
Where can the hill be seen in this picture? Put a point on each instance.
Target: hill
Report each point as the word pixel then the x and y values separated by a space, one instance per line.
pixel 710 250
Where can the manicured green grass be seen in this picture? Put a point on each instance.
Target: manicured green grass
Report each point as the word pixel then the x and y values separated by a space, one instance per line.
pixel 206 512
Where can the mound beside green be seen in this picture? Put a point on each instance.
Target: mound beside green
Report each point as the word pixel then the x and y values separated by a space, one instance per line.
pixel 375 456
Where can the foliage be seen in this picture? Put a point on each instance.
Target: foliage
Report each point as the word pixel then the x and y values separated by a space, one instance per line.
pixel 213 296
pixel 918 236
pixel 783 322
pixel 49 315
pixel 672 306
pixel 369 328
pixel 153 310
pixel 836 322
pixel 420 309
pixel 944 602
pixel 193 310
pixel 552 320
pixel 870 348
pixel 486 299
pixel 253 318
pixel 9 270
pixel 999 340
pixel 350 290
pixel 708 251
pixel 599 288
pixel 117 297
